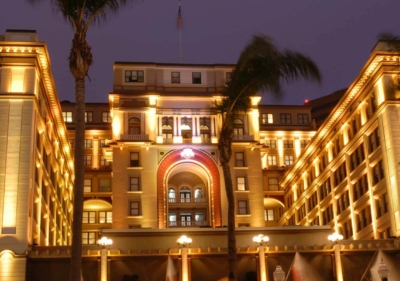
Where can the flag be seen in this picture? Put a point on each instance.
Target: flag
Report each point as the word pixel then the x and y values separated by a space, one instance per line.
pixel 179 22
pixel 172 274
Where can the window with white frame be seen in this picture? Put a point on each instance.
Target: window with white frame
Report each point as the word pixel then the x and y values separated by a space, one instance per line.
pixel 287 143
pixel 88 238
pixel 134 76
pixel 88 116
pixel 105 217
pixel 273 184
pixel 196 77
pixel 88 143
pixel 175 77
pixel 88 160
pixel 106 117
pixel 239 159
pixel 269 215
pixel 272 160
pixel 289 159
pixel 87 185
pixel 241 183
pixel 88 217
pixel 67 116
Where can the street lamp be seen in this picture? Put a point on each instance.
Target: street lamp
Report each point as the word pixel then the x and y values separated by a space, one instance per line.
pixel 279 274
pixel 261 240
pixel 184 242
pixel 336 238
pixel 383 271
pixel 104 242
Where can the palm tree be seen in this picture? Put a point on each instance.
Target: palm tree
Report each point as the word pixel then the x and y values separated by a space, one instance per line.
pixel 81 14
pixel 261 67
pixel 393 44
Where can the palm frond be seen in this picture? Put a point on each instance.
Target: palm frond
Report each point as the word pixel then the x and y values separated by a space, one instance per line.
pixel 392 41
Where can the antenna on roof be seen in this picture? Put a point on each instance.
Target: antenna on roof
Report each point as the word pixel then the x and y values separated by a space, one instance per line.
pixel 180 30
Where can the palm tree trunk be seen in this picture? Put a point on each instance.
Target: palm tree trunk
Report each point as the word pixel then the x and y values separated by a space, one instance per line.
pixel 79 154
pixel 225 150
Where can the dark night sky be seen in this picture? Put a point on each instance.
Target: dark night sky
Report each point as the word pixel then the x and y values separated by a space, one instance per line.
pixel 337 34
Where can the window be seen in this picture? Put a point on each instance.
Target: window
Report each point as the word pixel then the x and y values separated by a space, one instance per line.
pixel 134 184
pixel 102 142
pixel 327 215
pixel 228 77
pixel 302 119
pixel 134 162
pixel 239 159
pixel 340 174
pixel 364 218
pixel 301 212
pixel 267 118
pixel 134 126
pixel 374 140
pixel 287 143
pixel 303 143
pixel 72 143
pixel 286 118
pixel 382 205
pixel 289 160
pixel 88 160
pixel 134 208
pixel 269 215
pixel 271 143
pixel 242 207
pixel 273 184
pixel 343 202
pixel 103 161
pixel 196 77
pixel 378 173
pixel 175 77
pixel 271 159
pixel 106 117
pixel 238 128
pixel 88 238
pixel 241 183
pixel 104 185
pixel 357 157
pixel 360 187
pixel 88 217
pixel 171 195
pixel 325 189
pixel 67 116
pixel 88 143
pixel 134 76
pixel 105 217
pixel 313 201
pixel 87 185
pixel 88 116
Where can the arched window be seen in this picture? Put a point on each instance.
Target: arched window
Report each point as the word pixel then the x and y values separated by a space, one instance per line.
pixel 171 195
pixel 185 194
pixel 238 127
pixel 134 126
pixel 198 194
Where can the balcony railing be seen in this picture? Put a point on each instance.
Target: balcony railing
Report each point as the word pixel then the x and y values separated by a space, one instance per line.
pixel 187 223
pixel 134 137
pixel 243 138
pixel 186 200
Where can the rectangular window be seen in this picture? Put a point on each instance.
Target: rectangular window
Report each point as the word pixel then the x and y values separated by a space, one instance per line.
pixel 267 118
pixel 175 77
pixel 242 207
pixel 88 238
pixel 302 119
pixel 134 208
pixel 87 185
pixel 134 161
pixel 271 143
pixel 102 142
pixel 269 215
pixel 88 116
pixel 88 160
pixel 134 76
pixel 287 143
pixel 106 117
pixel 134 184
pixel 88 217
pixel 105 217
pixel 239 158
pixel 67 116
pixel 105 185
pixel 272 160
pixel 273 184
pixel 289 160
pixel 286 118
pixel 103 161
pixel 303 143
pixel 196 77
pixel 72 143
pixel 88 143
pixel 241 183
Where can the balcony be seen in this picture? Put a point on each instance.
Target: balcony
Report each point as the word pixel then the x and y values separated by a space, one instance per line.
pixel 188 223
pixel 243 138
pixel 134 137
pixel 186 200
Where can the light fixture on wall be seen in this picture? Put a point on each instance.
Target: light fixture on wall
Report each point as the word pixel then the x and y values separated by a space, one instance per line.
pixel 187 153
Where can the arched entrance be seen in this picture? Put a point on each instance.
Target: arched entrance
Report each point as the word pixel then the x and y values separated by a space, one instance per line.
pixel 188 191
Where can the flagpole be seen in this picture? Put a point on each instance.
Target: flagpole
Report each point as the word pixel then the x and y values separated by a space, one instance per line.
pixel 180 31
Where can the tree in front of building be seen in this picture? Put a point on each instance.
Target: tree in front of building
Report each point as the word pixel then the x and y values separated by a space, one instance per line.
pixel 81 14
pixel 261 67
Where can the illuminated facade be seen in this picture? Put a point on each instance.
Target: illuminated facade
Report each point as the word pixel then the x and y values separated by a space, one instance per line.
pixel 36 168
pixel 152 174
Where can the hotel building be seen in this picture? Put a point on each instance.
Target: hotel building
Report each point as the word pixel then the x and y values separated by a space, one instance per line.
pixel 152 174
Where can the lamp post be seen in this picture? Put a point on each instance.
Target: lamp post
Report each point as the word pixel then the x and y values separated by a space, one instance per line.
pixel 383 271
pixel 261 240
pixel 184 242
pixel 336 238
pixel 279 274
pixel 104 242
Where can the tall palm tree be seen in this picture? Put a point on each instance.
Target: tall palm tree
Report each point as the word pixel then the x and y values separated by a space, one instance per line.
pixel 81 14
pixel 261 67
